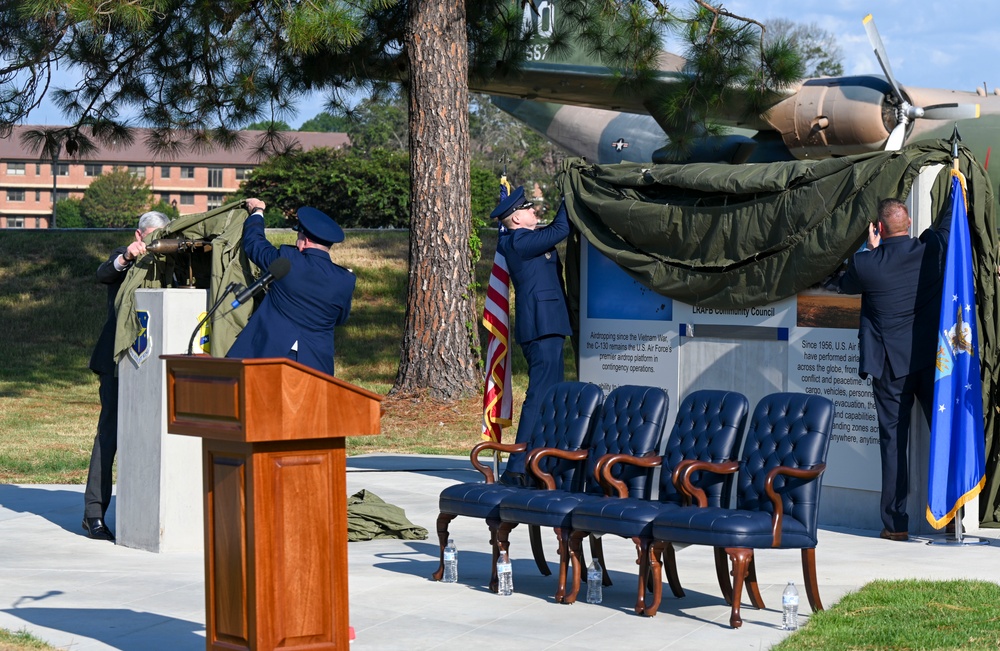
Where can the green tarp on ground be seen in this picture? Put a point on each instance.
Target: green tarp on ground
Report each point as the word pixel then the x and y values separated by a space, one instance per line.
pixel 369 517
pixel 727 236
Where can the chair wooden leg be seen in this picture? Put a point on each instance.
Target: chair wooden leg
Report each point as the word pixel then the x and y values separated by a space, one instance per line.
pixel 642 546
pixel 670 563
pixel 752 590
pixel 656 573
pixel 502 535
pixel 576 560
pixel 442 531
pixel 722 573
pixel 741 557
pixel 562 535
pixel 537 552
pixel 809 572
pixel 597 551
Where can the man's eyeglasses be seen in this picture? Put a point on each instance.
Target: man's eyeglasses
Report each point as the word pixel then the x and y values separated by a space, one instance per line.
pixel 525 205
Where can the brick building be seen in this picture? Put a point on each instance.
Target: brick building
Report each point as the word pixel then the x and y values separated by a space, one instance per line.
pixel 194 181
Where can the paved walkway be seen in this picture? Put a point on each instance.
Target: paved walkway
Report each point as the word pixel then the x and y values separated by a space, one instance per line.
pixel 82 594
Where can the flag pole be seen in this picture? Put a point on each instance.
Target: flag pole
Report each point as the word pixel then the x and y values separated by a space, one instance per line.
pixel 957 520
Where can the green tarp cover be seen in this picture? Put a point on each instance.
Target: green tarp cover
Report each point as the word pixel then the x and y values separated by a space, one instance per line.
pixel 370 517
pixel 224 227
pixel 728 236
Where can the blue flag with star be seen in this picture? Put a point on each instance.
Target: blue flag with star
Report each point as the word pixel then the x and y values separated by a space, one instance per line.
pixel 957 451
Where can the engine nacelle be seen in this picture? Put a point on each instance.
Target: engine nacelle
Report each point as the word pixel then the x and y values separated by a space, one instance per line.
pixel 835 116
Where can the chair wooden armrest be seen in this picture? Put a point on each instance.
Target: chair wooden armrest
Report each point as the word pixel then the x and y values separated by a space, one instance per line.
pixel 612 486
pixel 478 449
pixel 682 477
pixel 779 510
pixel 542 478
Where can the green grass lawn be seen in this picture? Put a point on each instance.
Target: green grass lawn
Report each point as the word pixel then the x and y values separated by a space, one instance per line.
pixel 53 308
pixel 906 615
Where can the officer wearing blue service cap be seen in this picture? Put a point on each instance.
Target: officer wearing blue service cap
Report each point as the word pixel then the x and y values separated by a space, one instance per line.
pixel 541 321
pixel 297 316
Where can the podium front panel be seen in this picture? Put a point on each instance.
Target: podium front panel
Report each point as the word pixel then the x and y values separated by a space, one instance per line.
pixel 277 548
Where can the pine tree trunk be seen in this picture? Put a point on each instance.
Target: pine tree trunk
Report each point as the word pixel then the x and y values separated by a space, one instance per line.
pixel 440 337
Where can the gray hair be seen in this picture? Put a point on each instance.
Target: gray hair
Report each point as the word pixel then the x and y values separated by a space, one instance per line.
pixel 153 219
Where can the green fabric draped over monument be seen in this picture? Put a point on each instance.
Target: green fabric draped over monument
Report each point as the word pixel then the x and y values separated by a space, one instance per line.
pixel 729 236
pixel 224 227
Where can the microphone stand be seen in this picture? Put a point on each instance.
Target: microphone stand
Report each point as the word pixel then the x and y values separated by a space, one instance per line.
pixel 231 288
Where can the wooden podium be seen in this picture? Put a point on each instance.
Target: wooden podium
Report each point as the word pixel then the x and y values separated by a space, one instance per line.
pixel 275 489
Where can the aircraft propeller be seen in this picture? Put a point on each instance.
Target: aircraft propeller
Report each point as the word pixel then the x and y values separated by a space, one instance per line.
pixel 906 112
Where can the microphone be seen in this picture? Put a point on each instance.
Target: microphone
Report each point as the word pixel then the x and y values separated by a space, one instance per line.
pixel 276 271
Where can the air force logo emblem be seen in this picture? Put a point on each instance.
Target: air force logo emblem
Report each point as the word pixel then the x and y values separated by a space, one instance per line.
pixel 142 347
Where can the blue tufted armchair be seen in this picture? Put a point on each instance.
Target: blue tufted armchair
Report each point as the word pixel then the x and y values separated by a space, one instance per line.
pixel 565 422
pixel 777 497
pixel 708 427
pixel 630 422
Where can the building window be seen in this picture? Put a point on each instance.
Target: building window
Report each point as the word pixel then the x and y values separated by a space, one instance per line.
pixel 15 169
pixel 62 169
pixel 62 195
pixel 38 195
pixel 15 195
pixel 215 177
pixel 15 222
pixel 38 169
pixel 137 170
pixel 243 173
pixel 214 201
pixel 93 170
pixel 187 172
pixel 187 198
pixel 164 171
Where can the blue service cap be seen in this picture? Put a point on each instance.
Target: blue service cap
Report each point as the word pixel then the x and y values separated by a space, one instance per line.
pixel 509 205
pixel 318 225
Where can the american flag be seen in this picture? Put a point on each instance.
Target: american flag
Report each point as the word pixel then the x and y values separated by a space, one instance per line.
pixel 497 403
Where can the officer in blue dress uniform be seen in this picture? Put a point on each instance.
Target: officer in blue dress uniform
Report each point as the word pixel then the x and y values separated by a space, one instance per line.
pixel 541 319
pixel 298 314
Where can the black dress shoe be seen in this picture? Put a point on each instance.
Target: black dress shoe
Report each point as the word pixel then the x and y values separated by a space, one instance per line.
pixel 97 530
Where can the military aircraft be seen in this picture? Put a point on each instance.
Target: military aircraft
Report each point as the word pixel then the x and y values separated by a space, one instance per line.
pixel 570 99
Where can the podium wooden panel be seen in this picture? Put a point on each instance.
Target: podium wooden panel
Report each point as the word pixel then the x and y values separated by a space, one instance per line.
pixel 275 493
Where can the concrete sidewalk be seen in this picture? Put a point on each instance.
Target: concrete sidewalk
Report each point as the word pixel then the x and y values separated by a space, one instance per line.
pixel 81 594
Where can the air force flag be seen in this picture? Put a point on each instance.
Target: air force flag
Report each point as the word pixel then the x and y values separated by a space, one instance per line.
pixel 957 451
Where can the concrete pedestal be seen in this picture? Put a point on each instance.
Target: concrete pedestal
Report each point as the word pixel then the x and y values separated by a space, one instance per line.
pixel 159 489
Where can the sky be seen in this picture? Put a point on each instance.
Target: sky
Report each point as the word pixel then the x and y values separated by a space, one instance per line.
pixel 954 45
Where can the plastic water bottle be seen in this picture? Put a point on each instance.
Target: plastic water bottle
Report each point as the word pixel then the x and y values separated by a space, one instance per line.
pixel 595 583
pixel 505 576
pixel 450 562
pixel 790 608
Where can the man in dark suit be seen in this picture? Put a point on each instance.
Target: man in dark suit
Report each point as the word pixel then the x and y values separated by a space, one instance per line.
pixel 97 494
pixel 541 321
pixel 298 314
pixel 899 279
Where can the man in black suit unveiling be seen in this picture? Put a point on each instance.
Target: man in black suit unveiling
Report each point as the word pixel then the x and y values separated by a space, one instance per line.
pixel 97 495
pixel 899 279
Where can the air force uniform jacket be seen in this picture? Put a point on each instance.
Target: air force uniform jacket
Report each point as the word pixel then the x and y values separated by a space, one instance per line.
pixel 539 298
pixel 302 307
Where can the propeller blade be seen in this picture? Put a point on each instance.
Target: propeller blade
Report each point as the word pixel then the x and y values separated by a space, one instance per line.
pixel 883 59
pixel 895 140
pixel 951 111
